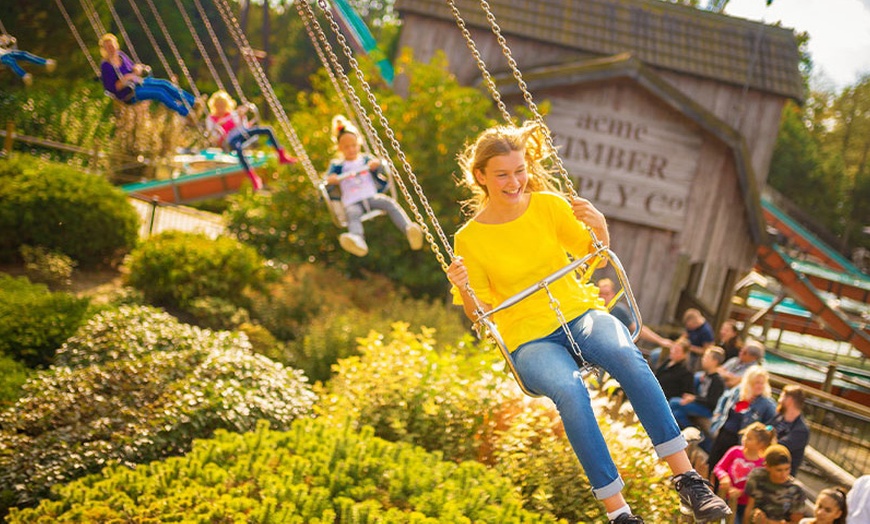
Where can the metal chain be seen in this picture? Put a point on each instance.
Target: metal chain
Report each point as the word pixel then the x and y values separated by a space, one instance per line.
pixel 153 41
pixel 184 70
pixel 200 45
pixel 348 52
pixel 266 87
pixel 367 139
pixel 93 18
pixel 3 28
pixel 481 65
pixel 220 51
pixel 78 37
pixel 548 138
pixel 554 305
pixel 127 41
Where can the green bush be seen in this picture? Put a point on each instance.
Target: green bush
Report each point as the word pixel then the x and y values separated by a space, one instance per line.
pixel 66 211
pixel 13 375
pixel 407 391
pixel 454 401
pixel 34 321
pixel 46 267
pixel 315 473
pixel 136 386
pixel 175 268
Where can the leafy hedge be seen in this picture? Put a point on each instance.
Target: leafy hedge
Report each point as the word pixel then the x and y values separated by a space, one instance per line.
pixel 13 375
pixel 137 386
pixel 34 321
pixel 460 403
pixel 64 210
pixel 174 268
pixel 314 473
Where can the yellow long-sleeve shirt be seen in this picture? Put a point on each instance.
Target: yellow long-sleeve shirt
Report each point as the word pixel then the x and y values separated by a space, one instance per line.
pixel 504 259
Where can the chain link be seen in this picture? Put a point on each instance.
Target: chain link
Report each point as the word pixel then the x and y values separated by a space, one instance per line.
pixel 127 41
pixel 184 70
pixel 266 87
pixel 77 36
pixel 348 52
pixel 199 45
pixel 220 51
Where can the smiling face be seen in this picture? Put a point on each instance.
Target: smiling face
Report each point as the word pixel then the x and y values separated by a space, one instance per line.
pixel 348 145
pixel 504 178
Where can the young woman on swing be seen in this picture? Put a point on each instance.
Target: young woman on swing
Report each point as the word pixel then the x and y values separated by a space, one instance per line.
pixel 519 233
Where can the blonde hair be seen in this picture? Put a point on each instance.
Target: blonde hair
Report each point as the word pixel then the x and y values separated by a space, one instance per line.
pixel 498 141
pixel 106 38
pixel 763 433
pixel 220 95
pixel 340 126
pixel 753 373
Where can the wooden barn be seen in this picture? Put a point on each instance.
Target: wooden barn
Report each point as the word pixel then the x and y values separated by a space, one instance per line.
pixel 666 117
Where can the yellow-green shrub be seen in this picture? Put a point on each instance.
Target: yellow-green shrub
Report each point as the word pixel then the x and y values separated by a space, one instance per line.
pixel 316 473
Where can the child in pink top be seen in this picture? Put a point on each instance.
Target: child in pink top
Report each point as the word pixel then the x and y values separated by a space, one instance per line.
pixel 734 467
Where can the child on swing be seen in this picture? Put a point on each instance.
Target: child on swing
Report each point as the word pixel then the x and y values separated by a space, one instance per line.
pixel 128 82
pixel 359 179
pixel 519 233
pixel 10 55
pixel 229 129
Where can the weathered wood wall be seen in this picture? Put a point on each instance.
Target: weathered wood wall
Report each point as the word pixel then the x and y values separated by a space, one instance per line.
pixel 710 232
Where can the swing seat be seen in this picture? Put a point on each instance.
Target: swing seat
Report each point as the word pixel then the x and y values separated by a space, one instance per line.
pixel 587 266
pixel 336 208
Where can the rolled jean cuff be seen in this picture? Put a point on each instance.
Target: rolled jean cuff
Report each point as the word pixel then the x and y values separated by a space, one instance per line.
pixel 609 490
pixel 666 449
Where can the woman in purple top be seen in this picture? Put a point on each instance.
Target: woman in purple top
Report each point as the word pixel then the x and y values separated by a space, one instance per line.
pixel 123 80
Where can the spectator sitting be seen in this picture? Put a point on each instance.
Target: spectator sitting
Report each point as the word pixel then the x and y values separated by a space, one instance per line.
pixel 710 387
pixel 733 369
pixel 673 376
pixel 729 339
pixel 831 508
pixel 700 336
pixel 739 407
pixel 606 290
pixel 774 497
pixel 791 428
pixel 734 467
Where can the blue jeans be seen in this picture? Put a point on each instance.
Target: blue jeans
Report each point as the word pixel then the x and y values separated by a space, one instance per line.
pixel 547 367
pixel 356 211
pixel 11 59
pixel 237 137
pixel 166 93
pixel 683 412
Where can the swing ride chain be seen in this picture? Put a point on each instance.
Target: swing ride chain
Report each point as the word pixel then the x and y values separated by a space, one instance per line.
pixel 396 147
pixel 93 18
pixel 78 37
pixel 527 95
pixel 127 41
pixel 220 50
pixel 3 28
pixel 304 14
pixel 261 79
pixel 154 43
pixel 199 45
pixel 554 305
pixel 184 70
pixel 481 65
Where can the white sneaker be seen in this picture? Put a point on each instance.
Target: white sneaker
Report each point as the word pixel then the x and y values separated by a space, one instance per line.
pixel 415 236
pixel 353 244
pixel 27 79
pixel 50 65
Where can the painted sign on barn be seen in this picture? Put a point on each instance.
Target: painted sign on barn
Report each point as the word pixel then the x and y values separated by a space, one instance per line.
pixel 633 169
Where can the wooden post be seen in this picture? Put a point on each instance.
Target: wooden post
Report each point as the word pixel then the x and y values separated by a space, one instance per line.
pixel 829 377
pixel 10 137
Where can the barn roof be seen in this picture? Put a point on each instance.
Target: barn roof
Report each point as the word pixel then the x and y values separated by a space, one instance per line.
pixel 661 34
